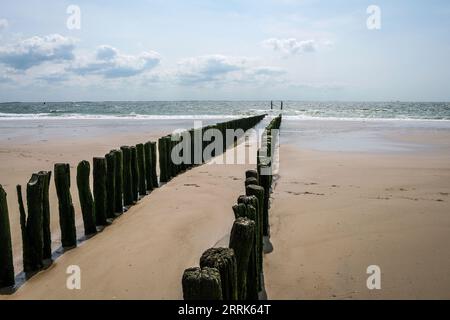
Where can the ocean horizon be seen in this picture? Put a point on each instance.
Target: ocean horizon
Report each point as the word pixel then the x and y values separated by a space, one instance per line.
pixel 212 109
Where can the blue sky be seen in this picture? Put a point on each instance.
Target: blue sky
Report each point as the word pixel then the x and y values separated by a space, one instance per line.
pixel 199 49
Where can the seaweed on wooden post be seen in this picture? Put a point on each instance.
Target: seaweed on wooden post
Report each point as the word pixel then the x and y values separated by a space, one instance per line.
pixel 127 179
pixel 141 169
pixel 110 185
pixel 148 166
pixel 134 174
pixel 65 205
pixel 224 260
pixel 46 234
pixel 201 284
pixel 6 256
pixel 154 157
pixel 118 193
pixel 241 241
pixel 86 199
pixel 99 172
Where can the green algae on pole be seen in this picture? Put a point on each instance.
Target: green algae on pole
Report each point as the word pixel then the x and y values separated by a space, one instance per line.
pixel 148 166
pixel 224 260
pixel 201 284
pixel 127 179
pixel 118 197
pixel 110 185
pixel 241 241
pixel 6 256
pixel 134 174
pixel 99 172
pixel 86 199
pixel 46 234
pixel 141 169
pixel 65 205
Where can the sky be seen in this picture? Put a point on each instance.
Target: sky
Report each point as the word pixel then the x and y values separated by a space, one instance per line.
pixel 354 50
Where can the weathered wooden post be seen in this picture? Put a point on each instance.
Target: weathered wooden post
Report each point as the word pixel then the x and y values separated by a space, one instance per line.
pixel 266 182
pixel 247 209
pixel 154 161
pixel 86 199
pixel 162 160
pixel 110 185
pixel 6 256
pixel 118 197
pixel 26 255
pixel 46 234
pixel 65 205
pixel 241 241
pixel 224 260
pixel 127 179
pixel 251 174
pixel 258 192
pixel 134 174
pixel 201 284
pixel 141 169
pixel 250 181
pixel 99 172
pixel 148 165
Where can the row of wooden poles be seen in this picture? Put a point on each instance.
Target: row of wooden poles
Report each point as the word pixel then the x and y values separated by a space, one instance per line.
pixel 169 169
pixel 120 179
pixel 236 272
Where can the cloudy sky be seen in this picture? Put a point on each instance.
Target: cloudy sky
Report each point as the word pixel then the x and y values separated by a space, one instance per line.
pixel 224 49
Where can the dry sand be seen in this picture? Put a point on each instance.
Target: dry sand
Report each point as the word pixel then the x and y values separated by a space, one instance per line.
pixel 335 213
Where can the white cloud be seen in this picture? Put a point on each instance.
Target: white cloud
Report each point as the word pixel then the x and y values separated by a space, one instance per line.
pixel 290 46
pixel 34 51
pixel 3 24
pixel 222 70
pixel 110 63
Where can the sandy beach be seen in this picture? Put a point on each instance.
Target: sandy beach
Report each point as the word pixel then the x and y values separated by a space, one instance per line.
pixel 338 208
pixel 378 197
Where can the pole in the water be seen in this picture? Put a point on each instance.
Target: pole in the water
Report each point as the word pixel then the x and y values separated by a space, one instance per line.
pixel 271 105
pixel 281 105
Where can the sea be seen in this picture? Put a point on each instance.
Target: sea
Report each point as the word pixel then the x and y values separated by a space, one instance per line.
pixel 301 110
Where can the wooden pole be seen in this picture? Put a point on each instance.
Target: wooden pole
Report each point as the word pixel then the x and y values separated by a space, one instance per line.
pixel 241 241
pixel 65 205
pixel 148 166
pixel 154 161
pixel 224 260
pixel 110 185
pixel 141 169
pixel 250 181
pixel 258 192
pixel 134 174
pixel 119 182
pixel 26 258
pixel 99 172
pixel 6 256
pixel 127 179
pixel 86 199
pixel 162 160
pixel 46 234
pixel 35 193
pixel 201 284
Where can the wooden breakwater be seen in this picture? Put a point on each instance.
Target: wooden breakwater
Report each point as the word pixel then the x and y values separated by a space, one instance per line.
pixel 120 179
pixel 236 272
